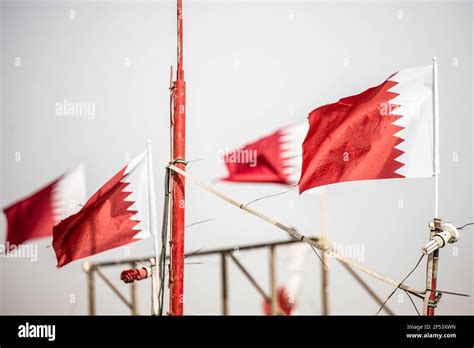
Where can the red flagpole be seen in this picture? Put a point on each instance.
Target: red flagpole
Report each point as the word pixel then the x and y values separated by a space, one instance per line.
pixel 178 196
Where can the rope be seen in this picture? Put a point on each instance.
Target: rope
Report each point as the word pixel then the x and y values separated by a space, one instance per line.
pixel 293 233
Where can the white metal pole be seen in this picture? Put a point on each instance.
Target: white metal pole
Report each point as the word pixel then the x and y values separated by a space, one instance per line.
pixel 432 263
pixel 152 199
pixel 153 228
pixel 436 134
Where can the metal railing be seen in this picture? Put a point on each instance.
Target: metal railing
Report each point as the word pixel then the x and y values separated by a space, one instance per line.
pixel 226 254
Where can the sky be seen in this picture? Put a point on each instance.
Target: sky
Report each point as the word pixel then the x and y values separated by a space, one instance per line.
pixel 250 68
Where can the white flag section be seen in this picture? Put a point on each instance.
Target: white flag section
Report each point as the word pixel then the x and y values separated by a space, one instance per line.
pixel 137 178
pixel 69 193
pixel 291 150
pixel 415 106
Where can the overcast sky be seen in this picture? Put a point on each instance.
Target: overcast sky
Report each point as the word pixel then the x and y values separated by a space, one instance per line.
pixel 250 68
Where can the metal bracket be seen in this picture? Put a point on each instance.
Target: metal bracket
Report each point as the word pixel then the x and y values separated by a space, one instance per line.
pixel 434 303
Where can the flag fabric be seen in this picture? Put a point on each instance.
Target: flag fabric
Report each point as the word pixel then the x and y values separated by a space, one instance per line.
pixel 384 132
pixel 34 216
pixel 275 158
pixel 116 215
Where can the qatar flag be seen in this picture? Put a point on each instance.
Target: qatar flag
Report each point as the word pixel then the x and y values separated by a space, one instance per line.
pixel 119 213
pixel 382 133
pixel 34 216
pixel 275 158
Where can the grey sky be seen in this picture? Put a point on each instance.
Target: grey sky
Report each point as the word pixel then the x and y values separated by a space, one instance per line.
pixel 250 68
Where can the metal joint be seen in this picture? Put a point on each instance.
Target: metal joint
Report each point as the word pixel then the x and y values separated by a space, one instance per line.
pixel 434 303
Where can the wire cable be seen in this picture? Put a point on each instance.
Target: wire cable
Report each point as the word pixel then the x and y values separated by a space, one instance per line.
pixel 468 224
pixel 319 257
pixel 269 196
pixel 413 303
pixel 398 287
pixel 197 223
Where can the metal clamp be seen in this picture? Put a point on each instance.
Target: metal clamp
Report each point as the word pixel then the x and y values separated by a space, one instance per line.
pixel 434 303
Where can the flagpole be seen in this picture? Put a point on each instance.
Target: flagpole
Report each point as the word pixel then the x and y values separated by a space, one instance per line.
pixel 436 134
pixel 324 240
pixel 176 278
pixel 429 302
pixel 153 228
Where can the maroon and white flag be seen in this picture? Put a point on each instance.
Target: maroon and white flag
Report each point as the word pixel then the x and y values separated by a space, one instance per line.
pixel 34 216
pixel 385 132
pixel 275 158
pixel 119 213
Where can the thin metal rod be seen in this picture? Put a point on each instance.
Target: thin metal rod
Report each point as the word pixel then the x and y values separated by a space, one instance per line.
pixel 273 287
pixel 133 293
pixel 155 288
pixel 436 158
pixel 367 288
pixel 257 286
pixel 252 280
pixel 91 287
pixel 152 214
pixel 224 282
pixel 432 263
pixel 324 256
pixel 205 252
pixel 112 286
pixel 431 274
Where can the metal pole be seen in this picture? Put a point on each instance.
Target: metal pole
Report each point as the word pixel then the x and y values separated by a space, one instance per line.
pixel 225 295
pixel 133 293
pixel 436 158
pixel 252 280
pixel 113 287
pixel 178 196
pixel 430 300
pixel 154 287
pixel 324 257
pixel 432 263
pixel 90 287
pixel 273 288
pixel 207 252
pixel 367 288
